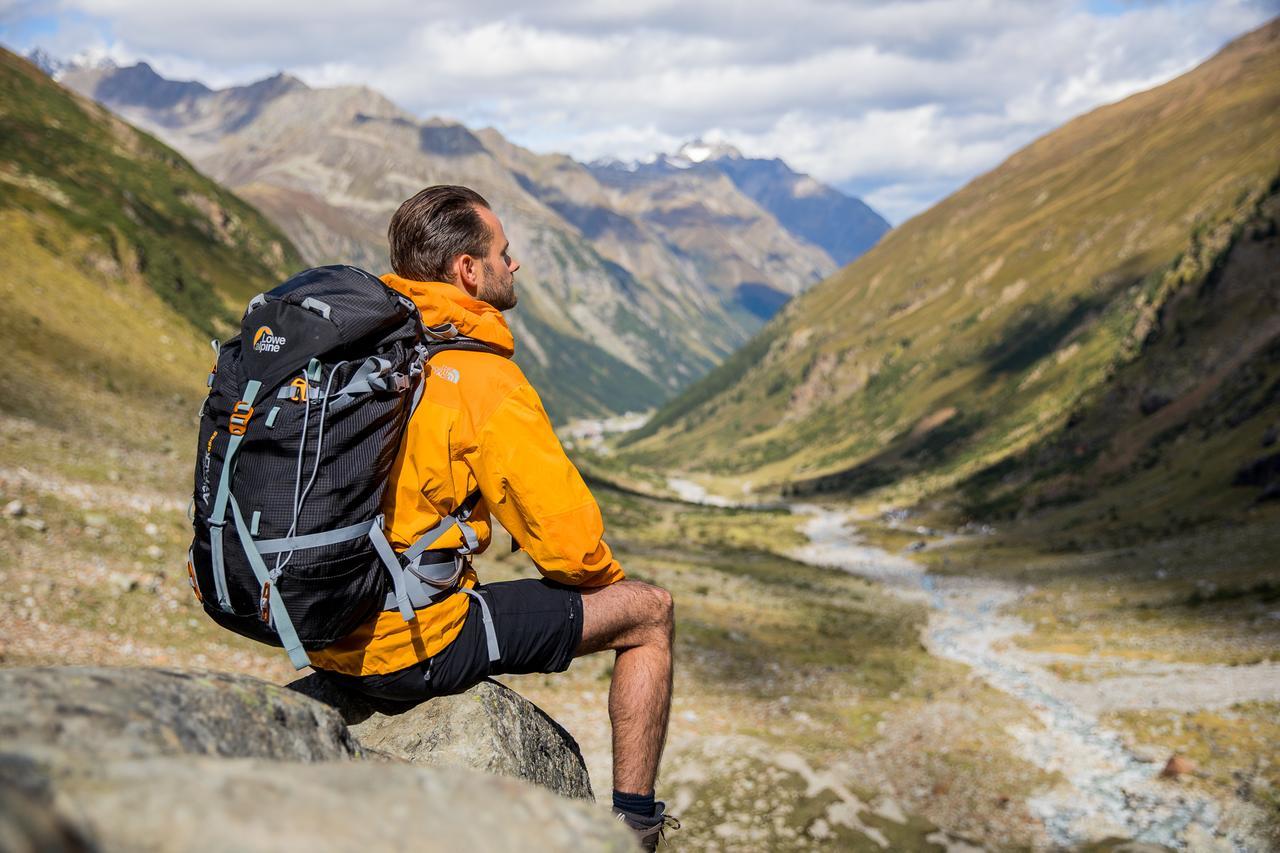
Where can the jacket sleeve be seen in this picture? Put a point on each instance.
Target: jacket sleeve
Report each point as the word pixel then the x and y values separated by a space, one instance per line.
pixel 537 494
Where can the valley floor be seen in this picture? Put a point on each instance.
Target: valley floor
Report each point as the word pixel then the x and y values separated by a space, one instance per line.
pixel 1085 704
pixel 814 707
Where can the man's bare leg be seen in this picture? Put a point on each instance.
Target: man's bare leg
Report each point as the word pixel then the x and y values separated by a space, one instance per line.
pixel 636 620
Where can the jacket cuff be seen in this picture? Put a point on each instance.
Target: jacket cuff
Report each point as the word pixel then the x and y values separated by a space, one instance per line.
pixel 604 577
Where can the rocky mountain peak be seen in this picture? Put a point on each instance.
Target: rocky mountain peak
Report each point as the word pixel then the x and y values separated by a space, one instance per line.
pixel 700 151
pixel 56 66
pixel 277 83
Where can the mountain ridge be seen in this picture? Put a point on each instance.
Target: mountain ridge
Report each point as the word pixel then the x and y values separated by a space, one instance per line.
pixel 986 325
pixel 842 225
pixel 625 297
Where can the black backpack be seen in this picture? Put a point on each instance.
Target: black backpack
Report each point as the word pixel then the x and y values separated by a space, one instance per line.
pixel 303 421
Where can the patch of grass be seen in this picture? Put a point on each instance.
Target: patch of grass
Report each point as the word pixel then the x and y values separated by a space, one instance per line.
pixel 1234 749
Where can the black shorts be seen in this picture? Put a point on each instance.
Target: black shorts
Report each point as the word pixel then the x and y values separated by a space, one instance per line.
pixel 539 627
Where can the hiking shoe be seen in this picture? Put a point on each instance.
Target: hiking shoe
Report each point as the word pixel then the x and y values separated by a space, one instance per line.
pixel 649 830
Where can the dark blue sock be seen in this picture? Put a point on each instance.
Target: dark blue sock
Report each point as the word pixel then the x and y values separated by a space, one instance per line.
pixel 637 804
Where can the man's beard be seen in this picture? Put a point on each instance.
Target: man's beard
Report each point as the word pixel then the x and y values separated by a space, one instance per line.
pixel 494 290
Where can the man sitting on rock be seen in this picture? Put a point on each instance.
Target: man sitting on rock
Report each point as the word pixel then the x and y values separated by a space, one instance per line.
pixel 481 436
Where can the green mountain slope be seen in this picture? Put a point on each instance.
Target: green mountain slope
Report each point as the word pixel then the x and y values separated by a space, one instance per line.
pixel 120 263
pixel 985 329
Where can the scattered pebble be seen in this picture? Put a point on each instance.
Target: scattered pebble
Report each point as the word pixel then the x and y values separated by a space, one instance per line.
pixel 123 582
pixel 155 552
pixel 1177 765
pixel 36 524
pixel 15 509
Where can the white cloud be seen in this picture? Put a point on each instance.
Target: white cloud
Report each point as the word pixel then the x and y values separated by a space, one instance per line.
pixel 903 100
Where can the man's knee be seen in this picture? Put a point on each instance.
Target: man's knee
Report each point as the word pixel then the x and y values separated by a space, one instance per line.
pixel 662 609
pixel 666 606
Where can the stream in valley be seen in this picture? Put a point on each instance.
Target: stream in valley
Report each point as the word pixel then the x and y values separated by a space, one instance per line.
pixel 1108 790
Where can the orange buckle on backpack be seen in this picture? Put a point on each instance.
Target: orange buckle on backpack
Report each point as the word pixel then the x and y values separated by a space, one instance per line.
pixel 239 420
pixel 195 587
pixel 264 605
pixel 299 393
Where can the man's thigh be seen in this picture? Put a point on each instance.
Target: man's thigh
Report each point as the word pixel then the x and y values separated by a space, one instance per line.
pixel 538 623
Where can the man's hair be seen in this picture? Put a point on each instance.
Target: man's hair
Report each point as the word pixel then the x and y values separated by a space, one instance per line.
pixel 434 227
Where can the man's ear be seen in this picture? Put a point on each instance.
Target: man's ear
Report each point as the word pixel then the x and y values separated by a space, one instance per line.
pixel 467 270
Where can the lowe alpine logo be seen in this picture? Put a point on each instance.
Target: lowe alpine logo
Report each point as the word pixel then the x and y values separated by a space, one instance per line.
pixel 265 340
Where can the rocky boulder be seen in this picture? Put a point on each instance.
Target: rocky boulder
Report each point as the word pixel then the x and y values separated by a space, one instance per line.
pixel 109 759
pixel 245 804
pixel 489 727
pixel 132 713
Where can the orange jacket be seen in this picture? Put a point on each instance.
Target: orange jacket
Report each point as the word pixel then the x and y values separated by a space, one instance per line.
pixel 480 425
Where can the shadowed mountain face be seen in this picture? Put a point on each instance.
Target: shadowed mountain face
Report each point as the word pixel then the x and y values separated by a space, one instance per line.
pixel 1088 311
pixel 624 297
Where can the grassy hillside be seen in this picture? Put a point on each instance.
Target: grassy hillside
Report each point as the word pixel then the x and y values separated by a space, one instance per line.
pixel 121 262
pixel 989 326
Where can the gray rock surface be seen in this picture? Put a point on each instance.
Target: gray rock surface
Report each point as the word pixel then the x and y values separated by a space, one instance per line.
pixel 254 805
pixel 112 712
pixel 27 827
pixel 95 758
pixel 489 727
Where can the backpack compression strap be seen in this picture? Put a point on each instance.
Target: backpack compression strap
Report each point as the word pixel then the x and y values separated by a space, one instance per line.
pixel 239 422
pixel 280 615
pixel 241 413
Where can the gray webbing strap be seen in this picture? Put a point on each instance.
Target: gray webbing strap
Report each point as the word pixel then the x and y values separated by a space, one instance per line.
pixel 470 539
pixel 218 518
pixel 287 392
pixel 420 594
pixel 313 304
pixel 434 572
pixel 316 540
pixel 369 375
pixel 392 562
pixel 490 635
pixel 426 540
pixel 418 375
pixel 284 625
pixel 219 567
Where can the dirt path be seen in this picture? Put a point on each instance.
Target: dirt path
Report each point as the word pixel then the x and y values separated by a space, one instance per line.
pixel 1109 790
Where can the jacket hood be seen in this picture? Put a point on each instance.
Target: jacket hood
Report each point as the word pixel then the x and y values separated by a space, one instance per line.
pixel 441 302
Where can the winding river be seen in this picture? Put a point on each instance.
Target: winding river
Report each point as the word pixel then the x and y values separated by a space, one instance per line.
pixel 1109 791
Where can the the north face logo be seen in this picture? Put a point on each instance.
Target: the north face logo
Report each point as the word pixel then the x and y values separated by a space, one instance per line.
pixel 265 340
pixel 448 374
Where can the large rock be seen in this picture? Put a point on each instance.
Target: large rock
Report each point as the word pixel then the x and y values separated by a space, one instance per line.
pixel 254 805
pixel 50 713
pixel 489 727
pixel 26 826
pixel 160 759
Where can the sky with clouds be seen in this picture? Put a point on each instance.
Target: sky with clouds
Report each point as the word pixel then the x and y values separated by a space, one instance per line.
pixel 899 102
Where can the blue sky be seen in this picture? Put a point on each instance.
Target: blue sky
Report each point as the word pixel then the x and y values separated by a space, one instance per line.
pixel 900 102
